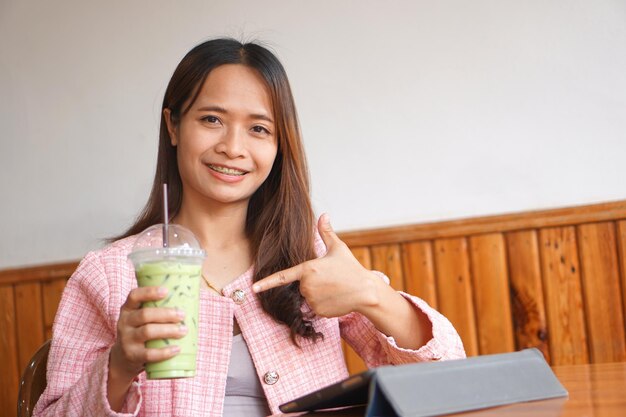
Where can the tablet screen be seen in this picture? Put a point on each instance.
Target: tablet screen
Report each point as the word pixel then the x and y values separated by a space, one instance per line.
pixel 351 391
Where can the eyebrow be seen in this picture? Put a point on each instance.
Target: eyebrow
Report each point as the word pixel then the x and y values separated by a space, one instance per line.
pixel 222 110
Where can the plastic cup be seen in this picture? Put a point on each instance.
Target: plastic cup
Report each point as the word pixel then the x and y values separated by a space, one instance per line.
pixel 178 267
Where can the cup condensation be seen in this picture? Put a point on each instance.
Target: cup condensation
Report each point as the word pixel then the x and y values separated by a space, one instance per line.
pixel 178 267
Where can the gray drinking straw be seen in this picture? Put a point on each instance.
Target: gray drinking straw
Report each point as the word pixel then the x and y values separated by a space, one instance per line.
pixel 166 216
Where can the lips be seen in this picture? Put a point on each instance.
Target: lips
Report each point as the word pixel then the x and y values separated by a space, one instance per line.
pixel 227 170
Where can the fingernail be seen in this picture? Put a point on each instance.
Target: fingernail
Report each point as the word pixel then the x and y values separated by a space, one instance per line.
pixel 162 291
pixel 256 288
pixel 180 313
pixel 183 329
pixel 175 349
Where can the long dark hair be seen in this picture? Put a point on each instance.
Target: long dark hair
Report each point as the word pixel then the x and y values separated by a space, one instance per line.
pixel 280 219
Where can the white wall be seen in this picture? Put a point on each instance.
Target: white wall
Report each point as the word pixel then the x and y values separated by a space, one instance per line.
pixel 412 111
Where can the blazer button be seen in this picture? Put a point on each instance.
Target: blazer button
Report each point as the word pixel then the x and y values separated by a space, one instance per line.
pixel 238 296
pixel 271 377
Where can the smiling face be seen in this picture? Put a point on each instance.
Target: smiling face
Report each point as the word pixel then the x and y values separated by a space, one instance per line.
pixel 226 142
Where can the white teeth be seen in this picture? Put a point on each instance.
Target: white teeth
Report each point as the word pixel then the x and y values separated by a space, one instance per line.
pixel 228 171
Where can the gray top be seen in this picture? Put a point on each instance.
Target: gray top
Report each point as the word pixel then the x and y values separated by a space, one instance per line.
pixel 244 393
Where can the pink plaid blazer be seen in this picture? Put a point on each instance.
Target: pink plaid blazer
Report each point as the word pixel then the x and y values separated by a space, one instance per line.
pixel 85 329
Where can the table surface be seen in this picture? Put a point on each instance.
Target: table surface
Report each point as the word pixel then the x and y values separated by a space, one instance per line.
pixel 594 390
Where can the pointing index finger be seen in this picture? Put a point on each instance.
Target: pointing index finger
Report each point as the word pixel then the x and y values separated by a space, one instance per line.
pixel 284 277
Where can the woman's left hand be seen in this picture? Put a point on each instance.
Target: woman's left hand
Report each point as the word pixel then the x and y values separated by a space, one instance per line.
pixel 333 285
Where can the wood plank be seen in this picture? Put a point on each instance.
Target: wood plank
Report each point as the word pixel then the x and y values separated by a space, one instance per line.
pixel 621 245
pixel 52 292
pixel 454 291
pixel 362 254
pixel 30 325
pixel 386 259
pixel 491 294
pixel 353 361
pixel 563 294
pixel 528 306
pixel 419 271
pixel 49 272
pixel 9 377
pixel 602 292
pixel 487 224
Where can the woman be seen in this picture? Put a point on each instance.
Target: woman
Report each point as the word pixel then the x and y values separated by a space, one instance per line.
pixel 231 153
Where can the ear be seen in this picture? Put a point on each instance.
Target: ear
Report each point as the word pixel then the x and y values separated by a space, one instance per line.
pixel 171 127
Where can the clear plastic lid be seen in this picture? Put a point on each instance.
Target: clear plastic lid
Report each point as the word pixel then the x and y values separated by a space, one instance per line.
pixel 181 244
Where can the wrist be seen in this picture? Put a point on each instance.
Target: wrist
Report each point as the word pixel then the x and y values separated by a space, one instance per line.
pixel 372 287
pixel 119 381
pixel 118 373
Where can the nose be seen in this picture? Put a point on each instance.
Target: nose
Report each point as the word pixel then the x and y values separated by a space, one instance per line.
pixel 232 143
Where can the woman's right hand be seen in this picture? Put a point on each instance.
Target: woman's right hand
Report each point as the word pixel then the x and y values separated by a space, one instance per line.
pixel 137 325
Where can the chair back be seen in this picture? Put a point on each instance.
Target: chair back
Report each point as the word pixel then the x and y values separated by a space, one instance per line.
pixel 33 381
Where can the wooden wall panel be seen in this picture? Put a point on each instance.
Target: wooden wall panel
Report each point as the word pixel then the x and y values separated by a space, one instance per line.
pixel 386 259
pixel 52 292
pixel 454 291
pixel 419 271
pixel 30 326
pixel 362 254
pixel 41 273
pixel 490 285
pixel 554 305
pixel 621 245
pixel 527 302
pixel 563 294
pixel 538 219
pixel 9 375
pixel 602 292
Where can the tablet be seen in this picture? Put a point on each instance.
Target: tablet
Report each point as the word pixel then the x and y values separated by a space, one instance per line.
pixel 349 392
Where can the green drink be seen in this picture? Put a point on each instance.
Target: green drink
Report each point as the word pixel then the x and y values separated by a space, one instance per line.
pixel 183 282
pixel 178 267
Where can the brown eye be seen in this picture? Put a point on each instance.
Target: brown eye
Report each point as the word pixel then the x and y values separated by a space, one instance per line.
pixel 260 129
pixel 211 119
